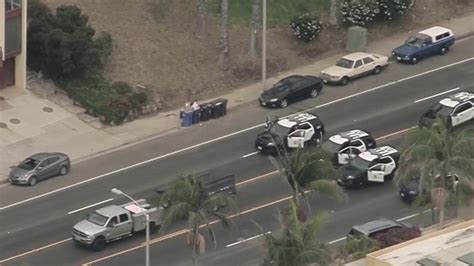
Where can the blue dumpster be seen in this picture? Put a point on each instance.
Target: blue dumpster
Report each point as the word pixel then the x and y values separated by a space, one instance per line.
pixel 187 119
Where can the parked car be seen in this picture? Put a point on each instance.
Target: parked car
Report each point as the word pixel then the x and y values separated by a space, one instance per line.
pixel 39 167
pixel 352 66
pixel 435 40
pixel 372 228
pixel 291 89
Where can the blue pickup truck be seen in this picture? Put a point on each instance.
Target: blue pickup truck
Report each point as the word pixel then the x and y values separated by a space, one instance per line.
pixel 435 40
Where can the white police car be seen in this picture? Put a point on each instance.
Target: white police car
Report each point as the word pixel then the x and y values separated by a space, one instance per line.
pixel 295 131
pixel 345 146
pixel 375 165
pixel 456 109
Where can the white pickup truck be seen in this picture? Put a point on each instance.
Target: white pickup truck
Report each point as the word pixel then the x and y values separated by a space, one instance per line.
pixel 115 222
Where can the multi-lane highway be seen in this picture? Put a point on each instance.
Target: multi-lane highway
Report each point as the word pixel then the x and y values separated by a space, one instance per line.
pixel 36 221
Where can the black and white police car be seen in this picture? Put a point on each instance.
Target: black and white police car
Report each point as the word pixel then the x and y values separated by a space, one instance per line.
pixel 292 132
pixel 375 165
pixel 456 109
pixel 345 146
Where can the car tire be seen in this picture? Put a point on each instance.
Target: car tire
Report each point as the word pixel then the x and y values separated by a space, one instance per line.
pixel 32 181
pixel 414 61
pixel 63 170
pixel 377 70
pixel 283 103
pixel 98 244
pixel 344 81
pixel 313 93
pixel 443 51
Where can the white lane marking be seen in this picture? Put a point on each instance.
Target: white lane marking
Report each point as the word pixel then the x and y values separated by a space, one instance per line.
pixel 90 206
pixel 247 239
pixel 35 250
pixel 336 240
pixel 250 154
pixel 436 95
pixel 223 137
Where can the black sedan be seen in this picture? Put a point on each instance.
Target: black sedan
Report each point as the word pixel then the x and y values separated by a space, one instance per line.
pixel 410 188
pixel 291 89
pixel 38 167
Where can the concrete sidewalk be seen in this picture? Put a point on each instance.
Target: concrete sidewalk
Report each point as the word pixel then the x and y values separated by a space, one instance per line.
pixel 37 121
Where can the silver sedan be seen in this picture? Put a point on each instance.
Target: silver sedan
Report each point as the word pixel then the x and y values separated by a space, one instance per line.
pixel 38 167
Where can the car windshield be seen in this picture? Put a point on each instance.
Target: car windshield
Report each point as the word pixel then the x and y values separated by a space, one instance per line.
pixel 331 147
pixel 414 41
pixel 97 219
pixel 441 110
pixel 361 163
pixel 29 164
pixel 345 63
pixel 279 130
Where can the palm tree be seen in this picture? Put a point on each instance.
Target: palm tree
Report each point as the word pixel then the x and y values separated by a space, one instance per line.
pixel 356 248
pixel 191 201
pixel 297 244
pixel 256 25
pixel 434 153
pixel 310 169
pixel 224 40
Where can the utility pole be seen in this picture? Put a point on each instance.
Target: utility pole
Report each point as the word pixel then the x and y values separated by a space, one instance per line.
pixel 264 44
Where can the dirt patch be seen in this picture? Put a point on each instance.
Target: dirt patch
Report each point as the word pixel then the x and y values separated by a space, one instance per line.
pixel 157 48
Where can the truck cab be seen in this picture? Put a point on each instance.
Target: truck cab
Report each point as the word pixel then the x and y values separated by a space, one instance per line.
pixel 345 146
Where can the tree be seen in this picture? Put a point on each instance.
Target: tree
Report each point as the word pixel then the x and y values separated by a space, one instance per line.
pixel 255 27
pixel 356 248
pixel 434 153
pixel 333 13
pixel 311 169
pixel 298 243
pixel 224 40
pixel 63 45
pixel 201 29
pixel 192 202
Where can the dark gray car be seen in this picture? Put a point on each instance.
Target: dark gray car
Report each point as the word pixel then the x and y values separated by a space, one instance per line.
pixel 38 167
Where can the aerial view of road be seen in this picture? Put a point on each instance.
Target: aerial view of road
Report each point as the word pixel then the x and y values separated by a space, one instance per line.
pixel 37 220
pixel 37 224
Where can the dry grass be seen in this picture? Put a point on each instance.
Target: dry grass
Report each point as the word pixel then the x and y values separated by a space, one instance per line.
pixel 157 47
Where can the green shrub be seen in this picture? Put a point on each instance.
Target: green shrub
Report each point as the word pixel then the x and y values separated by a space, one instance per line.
pixel 121 87
pixel 362 12
pixel 306 27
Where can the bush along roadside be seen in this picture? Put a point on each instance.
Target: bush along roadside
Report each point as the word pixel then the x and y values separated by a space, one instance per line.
pixel 363 12
pixel 114 103
pixel 65 48
pixel 306 27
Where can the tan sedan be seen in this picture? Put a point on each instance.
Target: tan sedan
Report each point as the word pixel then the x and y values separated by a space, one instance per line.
pixel 352 66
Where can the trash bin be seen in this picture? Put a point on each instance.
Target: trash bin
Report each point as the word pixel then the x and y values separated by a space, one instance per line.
pixel 219 108
pixel 187 119
pixel 197 116
pixel 206 110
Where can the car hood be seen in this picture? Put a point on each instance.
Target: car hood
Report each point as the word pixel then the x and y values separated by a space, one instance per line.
pixel 350 170
pixel 405 50
pixel 17 171
pixel 266 137
pixel 335 71
pixel 411 185
pixel 88 228
pixel 270 94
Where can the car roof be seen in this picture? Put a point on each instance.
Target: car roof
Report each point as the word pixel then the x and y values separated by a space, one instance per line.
pixel 376 225
pixel 345 136
pixel 378 152
pixel 43 155
pixel 297 119
pixel 292 78
pixel 434 31
pixel 111 210
pixel 356 56
pixel 455 99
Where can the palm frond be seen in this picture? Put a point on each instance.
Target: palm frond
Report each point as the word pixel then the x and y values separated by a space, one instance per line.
pixel 328 188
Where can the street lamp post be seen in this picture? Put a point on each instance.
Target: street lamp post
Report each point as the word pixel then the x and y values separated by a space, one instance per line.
pixel 264 44
pixel 147 221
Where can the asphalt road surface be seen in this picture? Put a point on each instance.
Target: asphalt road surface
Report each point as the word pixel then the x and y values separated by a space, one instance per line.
pixel 35 221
